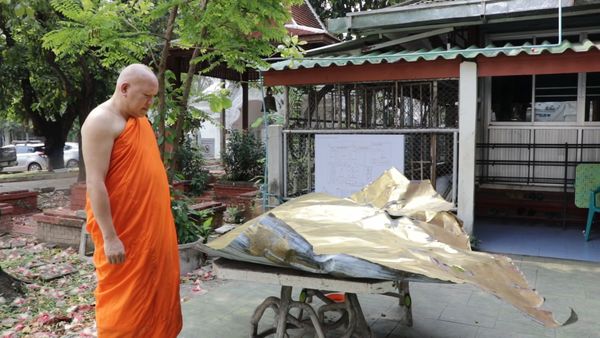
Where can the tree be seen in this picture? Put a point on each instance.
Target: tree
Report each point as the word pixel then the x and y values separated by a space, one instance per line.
pixel 35 85
pixel 237 33
pixel 330 9
pixel 10 287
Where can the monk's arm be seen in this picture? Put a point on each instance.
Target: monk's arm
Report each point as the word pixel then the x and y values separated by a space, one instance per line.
pixel 97 141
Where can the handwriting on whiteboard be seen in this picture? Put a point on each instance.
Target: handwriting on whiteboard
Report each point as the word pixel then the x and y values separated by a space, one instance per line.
pixel 346 163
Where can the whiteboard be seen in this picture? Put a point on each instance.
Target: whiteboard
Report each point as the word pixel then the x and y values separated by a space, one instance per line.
pixel 344 164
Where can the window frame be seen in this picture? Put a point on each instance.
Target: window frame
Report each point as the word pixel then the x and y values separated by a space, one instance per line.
pixel 581 82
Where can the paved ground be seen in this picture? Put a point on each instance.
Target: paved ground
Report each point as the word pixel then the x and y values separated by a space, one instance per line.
pixel 439 310
pixel 33 181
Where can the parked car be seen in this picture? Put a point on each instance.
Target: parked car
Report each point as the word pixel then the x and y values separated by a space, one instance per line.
pixel 8 157
pixel 71 154
pixel 30 157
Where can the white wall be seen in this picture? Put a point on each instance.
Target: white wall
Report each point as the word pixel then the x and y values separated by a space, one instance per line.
pixel 233 115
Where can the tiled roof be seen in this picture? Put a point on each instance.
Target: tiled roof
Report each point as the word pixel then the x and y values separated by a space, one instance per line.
pixel 301 32
pixel 304 16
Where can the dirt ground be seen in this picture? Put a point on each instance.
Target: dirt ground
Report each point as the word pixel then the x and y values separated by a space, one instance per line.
pixel 58 284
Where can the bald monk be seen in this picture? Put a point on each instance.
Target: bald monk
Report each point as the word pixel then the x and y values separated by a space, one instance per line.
pixel 129 215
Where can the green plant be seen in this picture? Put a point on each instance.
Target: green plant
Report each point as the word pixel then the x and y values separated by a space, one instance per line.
pixel 234 214
pixel 192 163
pixel 189 224
pixel 243 158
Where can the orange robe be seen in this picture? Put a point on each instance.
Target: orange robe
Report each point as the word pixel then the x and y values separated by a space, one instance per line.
pixel 139 298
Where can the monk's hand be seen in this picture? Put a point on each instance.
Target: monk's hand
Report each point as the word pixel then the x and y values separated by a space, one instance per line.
pixel 114 250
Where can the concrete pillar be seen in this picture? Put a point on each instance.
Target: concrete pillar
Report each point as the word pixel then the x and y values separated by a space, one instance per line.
pixel 275 164
pixel 467 121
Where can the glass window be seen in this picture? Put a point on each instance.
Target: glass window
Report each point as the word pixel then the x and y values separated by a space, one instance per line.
pixel 555 98
pixel 553 38
pixel 592 97
pixel 511 98
pixel 595 37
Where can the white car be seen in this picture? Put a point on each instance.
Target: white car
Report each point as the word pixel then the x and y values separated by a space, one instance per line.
pixel 71 154
pixel 30 157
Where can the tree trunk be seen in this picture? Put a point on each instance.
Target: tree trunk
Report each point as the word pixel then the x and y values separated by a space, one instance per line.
pixel 182 104
pixel 55 143
pixel 162 95
pixel 85 104
pixel 10 287
pixel 181 118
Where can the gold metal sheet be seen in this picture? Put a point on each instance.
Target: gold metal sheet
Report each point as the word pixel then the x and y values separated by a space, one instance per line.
pixel 400 225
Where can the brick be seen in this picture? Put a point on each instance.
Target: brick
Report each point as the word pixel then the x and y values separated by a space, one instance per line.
pixel 78 196
pixel 64 213
pixel 23 229
pixel 22 201
pixel 59 226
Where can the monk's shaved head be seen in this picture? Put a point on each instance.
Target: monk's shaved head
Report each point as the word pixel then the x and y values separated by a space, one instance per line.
pixel 135 90
pixel 136 72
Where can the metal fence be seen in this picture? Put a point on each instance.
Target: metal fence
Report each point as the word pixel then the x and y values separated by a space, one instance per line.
pixel 536 157
pixel 425 112
pixel 380 105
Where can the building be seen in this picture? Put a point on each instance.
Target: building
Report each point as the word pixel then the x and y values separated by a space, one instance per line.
pixel 488 94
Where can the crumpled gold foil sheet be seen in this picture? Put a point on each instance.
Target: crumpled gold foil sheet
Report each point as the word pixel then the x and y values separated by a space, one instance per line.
pixel 392 229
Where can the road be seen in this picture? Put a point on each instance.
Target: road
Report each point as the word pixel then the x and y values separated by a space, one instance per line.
pixel 57 183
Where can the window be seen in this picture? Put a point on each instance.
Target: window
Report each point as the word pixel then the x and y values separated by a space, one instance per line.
pixel 592 97
pixel 555 98
pixel 511 98
pixel 594 37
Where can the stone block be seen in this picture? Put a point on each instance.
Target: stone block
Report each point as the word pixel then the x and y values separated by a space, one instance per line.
pixel 59 226
pixel 78 193
pixel 216 210
pixel 23 201
pixel 6 210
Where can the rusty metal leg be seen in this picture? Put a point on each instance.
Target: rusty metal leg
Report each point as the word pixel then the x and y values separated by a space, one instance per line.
pixel 405 302
pixel 269 302
pixel 360 327
pixel 284 306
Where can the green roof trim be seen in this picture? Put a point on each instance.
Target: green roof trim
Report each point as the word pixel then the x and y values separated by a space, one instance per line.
pixel 377 57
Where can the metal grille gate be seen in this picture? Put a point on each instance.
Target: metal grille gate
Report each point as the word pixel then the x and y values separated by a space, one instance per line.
pixel 425 112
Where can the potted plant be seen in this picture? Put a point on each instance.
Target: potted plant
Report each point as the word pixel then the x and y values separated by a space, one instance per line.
pixel 243 161
pixel 192 227
pixel 192 176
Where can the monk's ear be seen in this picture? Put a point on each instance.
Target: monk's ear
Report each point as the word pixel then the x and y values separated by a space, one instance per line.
pixel 124 88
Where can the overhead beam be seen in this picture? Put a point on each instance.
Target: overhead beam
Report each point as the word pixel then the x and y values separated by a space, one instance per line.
pixel 405 39
pixel 419 70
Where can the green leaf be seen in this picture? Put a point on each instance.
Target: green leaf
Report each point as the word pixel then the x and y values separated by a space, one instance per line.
pixel 30 12
pixel 87 5
pixel 226 102
pixel 215 105
pixel 20 10
pixel 257 122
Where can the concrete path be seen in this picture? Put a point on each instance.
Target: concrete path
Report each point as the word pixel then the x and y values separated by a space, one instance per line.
pixel 439 310
pixel 60 180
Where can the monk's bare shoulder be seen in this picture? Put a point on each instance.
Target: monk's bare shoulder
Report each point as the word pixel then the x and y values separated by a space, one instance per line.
pixel 103 121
